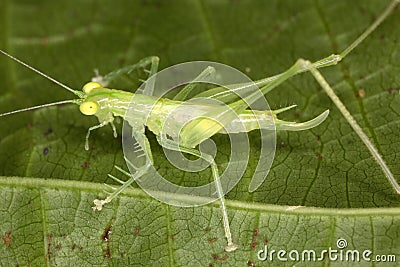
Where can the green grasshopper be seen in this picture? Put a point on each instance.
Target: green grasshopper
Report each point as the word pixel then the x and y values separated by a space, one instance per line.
pixel 106 104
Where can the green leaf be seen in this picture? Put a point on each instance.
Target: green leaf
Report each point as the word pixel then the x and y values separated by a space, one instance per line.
pixel 49 181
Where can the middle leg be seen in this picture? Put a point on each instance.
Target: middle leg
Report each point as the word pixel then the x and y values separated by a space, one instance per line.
pixel 169 144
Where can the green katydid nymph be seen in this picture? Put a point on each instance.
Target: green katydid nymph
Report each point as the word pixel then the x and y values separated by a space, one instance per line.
pixel 95 99
pixel 106 104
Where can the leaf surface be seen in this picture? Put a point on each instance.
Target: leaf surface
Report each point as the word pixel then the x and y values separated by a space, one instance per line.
pixel 49 181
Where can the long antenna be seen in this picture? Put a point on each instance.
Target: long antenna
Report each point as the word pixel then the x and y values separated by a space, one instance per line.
pixel 40 106
pixel 78 93
pixel 371 28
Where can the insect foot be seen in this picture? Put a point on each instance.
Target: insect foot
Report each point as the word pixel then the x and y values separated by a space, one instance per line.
pixel 99 78
pixel 231 247
pixel 100 203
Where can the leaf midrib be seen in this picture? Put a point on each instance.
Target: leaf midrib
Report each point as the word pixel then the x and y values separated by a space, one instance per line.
pixel 49 184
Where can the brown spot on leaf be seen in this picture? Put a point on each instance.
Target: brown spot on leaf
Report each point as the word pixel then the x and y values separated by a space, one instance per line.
pixel 212 240
pixel 255 233
pixel 7 239
pixel 85 165
pixel 106 237
pixel 361 93
pixel 107 232
pixel 49 243
pixel 107 252
pixel 253 244
pixel 218 258
pixel 137 229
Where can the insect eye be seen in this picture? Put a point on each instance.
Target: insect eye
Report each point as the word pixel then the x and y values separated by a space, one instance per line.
pixel 87 88
pixel 89 108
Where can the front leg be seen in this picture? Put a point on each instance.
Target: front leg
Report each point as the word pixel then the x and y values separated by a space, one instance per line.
pixel 99 203
pixel 141 145
pixel 104 123
pixel 91 129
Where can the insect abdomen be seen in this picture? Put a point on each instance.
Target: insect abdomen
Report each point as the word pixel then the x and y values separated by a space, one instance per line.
pixel 250 120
